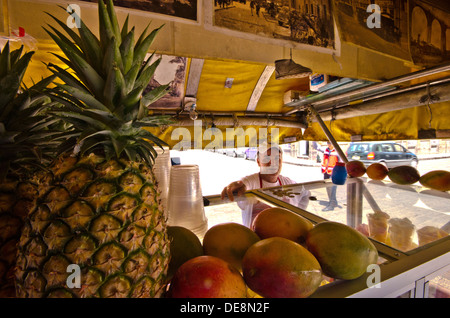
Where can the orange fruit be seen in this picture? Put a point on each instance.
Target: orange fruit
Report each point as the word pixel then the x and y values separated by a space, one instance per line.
pixel 229 241
pixel 281 222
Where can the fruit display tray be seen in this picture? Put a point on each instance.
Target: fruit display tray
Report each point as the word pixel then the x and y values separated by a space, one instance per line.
pixel 411 236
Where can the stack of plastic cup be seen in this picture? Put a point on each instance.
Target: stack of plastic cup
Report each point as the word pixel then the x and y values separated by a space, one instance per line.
pixel 378 226
pixel 428 234
pixel 162 169
pixel 401 233
pixel 185 201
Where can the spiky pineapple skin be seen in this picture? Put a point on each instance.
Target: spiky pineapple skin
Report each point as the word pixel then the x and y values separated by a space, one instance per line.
pixel 22 132
pixel 18 196
pixel 104 216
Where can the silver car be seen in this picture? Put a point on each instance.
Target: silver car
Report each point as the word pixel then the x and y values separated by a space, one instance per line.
pixel 388 153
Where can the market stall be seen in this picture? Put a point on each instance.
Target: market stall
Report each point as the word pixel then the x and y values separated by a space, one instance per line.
pixel 101 204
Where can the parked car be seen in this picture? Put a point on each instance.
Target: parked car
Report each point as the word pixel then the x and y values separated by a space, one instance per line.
pixel 221 151
pixel 250 153
pixel 389 153
pixel 235 152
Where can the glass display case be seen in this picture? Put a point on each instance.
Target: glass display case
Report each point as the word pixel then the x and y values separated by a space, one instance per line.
pixel 409 226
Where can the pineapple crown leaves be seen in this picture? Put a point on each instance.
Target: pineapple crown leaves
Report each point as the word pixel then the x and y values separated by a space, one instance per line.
pixel 25 129
pixel 102 94
pixel 12 69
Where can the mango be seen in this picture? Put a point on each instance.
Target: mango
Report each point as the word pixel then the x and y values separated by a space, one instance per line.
pixel 280 268
pixel 184 245
pixel 283 223
pixel 436 180
pixel 404 175
pixel 342 251
pixel 355 168
pixel 207 277
pixel 229 241
pixel 377 171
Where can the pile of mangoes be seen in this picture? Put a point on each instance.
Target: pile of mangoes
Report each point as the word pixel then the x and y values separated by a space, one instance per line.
pixel 283 255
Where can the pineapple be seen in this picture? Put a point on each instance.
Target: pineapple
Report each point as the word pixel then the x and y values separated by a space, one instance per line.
pixel 100 211
pixel 23 147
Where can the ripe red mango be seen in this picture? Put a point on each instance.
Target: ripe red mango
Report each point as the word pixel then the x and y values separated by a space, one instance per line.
pixel 277 267
pixel 355 168
pixel 207 277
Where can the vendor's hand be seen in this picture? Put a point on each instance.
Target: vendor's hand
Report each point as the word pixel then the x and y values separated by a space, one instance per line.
pixel 236 186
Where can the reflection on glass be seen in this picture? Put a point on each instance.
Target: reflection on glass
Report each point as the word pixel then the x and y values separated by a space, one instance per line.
pixel 408 216
pixel 240 211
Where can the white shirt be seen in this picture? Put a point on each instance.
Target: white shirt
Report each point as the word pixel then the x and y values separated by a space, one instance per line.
pixel 253 181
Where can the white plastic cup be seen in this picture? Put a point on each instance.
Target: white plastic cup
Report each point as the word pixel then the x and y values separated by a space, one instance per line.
pixel 162 169
pixel 185 200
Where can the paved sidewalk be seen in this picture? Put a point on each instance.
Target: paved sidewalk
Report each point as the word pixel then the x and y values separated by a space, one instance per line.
pixel 300 161
pixel 434 156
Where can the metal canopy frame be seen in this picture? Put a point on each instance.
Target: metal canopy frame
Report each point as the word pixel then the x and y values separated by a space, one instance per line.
pixel 324 101
pixel 363 98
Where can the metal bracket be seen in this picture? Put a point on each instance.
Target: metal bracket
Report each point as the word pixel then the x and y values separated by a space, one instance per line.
pixel 188 101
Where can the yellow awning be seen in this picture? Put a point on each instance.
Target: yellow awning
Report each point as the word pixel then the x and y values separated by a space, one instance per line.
pixel 227 89
pixel 396 125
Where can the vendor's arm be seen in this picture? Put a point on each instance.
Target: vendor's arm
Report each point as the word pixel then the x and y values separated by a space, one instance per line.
pixel 236 187
pixel 316 146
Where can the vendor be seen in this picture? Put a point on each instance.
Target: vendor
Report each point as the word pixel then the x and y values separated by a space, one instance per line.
pixel 270 161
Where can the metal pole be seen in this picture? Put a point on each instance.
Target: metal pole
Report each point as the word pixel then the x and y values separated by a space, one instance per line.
pixel 371 88
pixel 341 154
pixel 391 101
pixel 328 134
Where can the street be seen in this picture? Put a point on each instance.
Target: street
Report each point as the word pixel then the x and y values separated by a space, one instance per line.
pixel 218 170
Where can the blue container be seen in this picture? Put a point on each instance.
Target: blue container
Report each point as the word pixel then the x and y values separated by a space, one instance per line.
pixel 339 173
